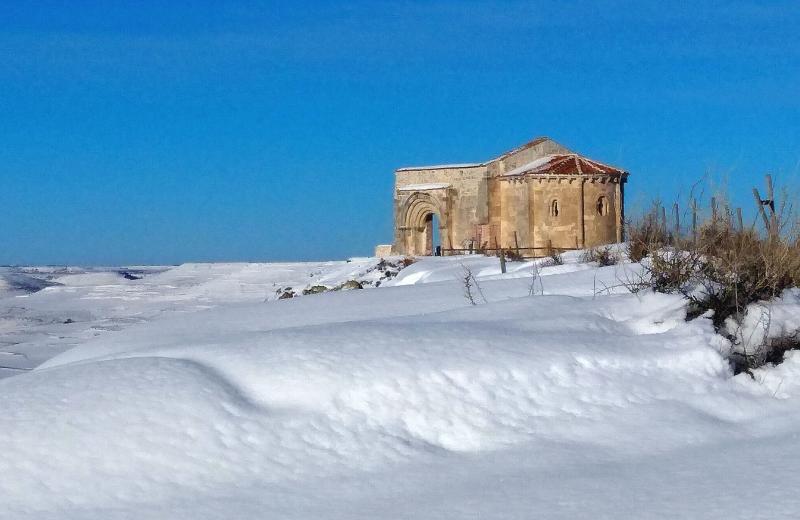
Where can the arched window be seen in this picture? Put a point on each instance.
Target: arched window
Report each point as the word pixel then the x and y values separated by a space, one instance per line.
pixel 554 208
pixel 602 205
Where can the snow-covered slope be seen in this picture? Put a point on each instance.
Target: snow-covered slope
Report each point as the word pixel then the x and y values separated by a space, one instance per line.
pixel 47 310
pixel 562 396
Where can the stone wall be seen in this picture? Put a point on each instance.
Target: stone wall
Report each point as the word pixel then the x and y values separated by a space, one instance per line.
pixel 556 215
pixel 467 204
pixel 384 250
pixel 528 207
pixel 600 228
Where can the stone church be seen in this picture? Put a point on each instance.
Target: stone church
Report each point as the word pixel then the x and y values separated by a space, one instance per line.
pixel 536 196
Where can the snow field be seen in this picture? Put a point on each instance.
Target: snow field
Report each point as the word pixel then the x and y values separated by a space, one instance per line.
pixel 75 305
pixel 401 402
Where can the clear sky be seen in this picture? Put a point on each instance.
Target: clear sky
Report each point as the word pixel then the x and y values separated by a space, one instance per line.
pixel 169 131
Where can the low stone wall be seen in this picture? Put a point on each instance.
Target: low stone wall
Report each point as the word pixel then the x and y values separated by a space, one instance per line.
pixel 383 250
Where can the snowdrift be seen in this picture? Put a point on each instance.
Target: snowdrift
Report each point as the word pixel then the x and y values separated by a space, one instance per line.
pixel 564 398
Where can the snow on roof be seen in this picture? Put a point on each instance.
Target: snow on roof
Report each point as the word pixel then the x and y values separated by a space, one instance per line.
pixel 536 163
pixel 564 164
pixel 421 187
pixel 441 167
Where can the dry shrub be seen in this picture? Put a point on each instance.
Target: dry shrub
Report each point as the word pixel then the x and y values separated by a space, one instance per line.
pixel 722 268
pixel 776 347
pixel 725 270
pixel 471 286
pixel 645 235
pixel 771 351
pixel 673 270
pixel 604 256
pixel 407 260
pixel 741 267
pixel 553 257
pixel 794 269
pixel 513 255
pixel 732 267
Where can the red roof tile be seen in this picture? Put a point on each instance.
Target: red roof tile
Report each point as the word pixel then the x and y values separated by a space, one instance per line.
pixel 565 164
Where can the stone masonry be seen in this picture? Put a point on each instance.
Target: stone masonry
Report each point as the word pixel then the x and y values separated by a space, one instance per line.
pixel 538 195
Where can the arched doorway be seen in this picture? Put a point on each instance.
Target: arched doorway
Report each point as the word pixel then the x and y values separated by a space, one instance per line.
pixel 433 241
pixel 422 224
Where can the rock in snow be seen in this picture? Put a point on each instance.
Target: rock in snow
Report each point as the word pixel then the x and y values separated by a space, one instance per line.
pixel 562 396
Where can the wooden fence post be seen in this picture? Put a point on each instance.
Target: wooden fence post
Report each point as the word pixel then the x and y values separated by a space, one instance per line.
pixel 714 210
pixel 760 205
pixel 729 216
pixel 677 220
pixel 773 218
pixel 771 221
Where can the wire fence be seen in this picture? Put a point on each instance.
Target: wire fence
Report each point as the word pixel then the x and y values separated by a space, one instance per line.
pixel 525 252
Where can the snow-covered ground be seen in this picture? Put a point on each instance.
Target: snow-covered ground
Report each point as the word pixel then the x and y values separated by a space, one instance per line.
pixel 192 392
pixel 78 304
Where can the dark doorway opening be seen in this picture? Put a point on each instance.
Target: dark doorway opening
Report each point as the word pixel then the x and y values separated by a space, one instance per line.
pixel 433 245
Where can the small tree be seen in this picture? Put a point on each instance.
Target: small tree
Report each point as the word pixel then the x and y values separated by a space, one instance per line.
pixel 471 286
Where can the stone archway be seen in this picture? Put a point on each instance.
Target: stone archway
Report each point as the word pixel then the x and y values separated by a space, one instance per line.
pixel 416 221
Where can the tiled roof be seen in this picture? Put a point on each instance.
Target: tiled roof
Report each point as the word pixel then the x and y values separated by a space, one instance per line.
pixel 564 164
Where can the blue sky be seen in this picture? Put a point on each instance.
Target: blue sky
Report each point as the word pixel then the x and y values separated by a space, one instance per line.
pixel 169 131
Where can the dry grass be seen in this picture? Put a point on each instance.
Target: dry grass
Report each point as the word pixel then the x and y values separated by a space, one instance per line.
pixel 722 267
pixel 770 351
pixel 512 255
pixel 552 257
pixel 604 256
pixel 645 235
